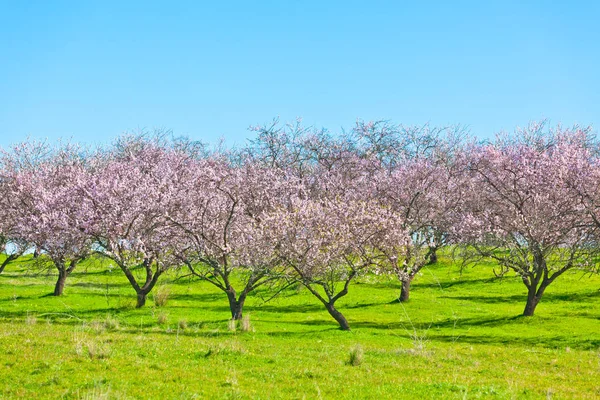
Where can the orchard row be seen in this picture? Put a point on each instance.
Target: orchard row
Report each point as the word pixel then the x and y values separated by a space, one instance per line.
pixel 303 206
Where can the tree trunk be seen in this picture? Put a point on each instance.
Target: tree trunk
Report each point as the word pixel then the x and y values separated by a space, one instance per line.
pixel 534 296
pixel 532 302
pixel 236 305
pixel 151 279
pixel 433 258
pixel 7 260
pixel 60 283
pixel 405 290
pixel 63 273
pixel 338 317
pixel 141 299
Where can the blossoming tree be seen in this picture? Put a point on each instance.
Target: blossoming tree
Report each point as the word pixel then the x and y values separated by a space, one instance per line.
pixel 127 200
pixel 220 214
pixel 44 207
pixel 520 211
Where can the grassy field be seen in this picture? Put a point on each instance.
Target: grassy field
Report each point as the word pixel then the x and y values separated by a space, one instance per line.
pixel 460 336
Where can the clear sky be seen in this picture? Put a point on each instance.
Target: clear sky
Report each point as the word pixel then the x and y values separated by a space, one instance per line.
pixel 89 70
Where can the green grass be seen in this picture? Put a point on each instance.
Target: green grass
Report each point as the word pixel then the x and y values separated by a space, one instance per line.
pixel 460 336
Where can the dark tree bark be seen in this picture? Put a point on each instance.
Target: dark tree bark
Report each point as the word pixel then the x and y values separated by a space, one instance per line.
pixel 405 289
pixel 329 304
pixel 536 275
pixel 142 292
pixel 534 295
pixel 537 281
pixel 338 316
pixel 433 258
pixel 532 302
pixel 60 283
pixel 236 305
pixel 151 279
pixel 220 278
pixel 406 274
pixel 9 258
pixel 141 299
pixel 63 274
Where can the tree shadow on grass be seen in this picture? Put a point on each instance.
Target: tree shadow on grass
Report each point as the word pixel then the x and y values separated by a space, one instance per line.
pixel 219 309
pixel 220 331
pixel 308 307
pixel 98 285
pixel 395 284
pixel 65 317
pixel 458 282
pixel 362 305
pixel 289 308
pixel 200 297
pixel 38 284
pixel 303 333
pixel 547 342
pixel 405 328
pixel 69 293
pixel 209 328
pixel 224 308
pixel 91 285
pixel 521 298
pixel 324 325
pixel 587 314
pixel 429 332
pixel 403 325
pixel 79 273
pixel 17 297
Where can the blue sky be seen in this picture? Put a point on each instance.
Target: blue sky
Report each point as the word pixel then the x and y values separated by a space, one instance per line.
pixel 89 70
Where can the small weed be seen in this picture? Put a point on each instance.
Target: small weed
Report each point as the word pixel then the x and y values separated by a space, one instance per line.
pixel 232 325
pixel 225 349
pixel 419 340
pixel 98 351
pixel 245 325
pixel 356 356
pixel 161 296
pixel 100 325
pixel 97 394
pixel 419 336
pixel 31 319
pixel 182 324
pixel 125 303
pixel 97 326
pixel 232 382
pixel 110 323
pixel 93 349
pixel 162 318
